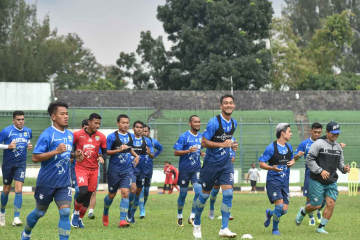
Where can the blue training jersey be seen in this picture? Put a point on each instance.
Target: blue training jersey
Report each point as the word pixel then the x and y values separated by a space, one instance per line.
pixel 191 161
pixel 55 171
pixel 22 137
pixel 148 161
pixel 119 162
pixel 219 156
pixel 283 176
pixel 305 147
pixel 137 142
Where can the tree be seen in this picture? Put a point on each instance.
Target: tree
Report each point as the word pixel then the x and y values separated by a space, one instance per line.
pixel 211 39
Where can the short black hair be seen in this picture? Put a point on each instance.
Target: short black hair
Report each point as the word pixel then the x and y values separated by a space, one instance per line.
pixel 122 116
pixel 139 122
pixel 85 122
pixel 316 125
pixel 190 118
pixel 18 113
pixel 166 162
pixel 94 115
pixel 54 106
pixel 226 96
pixel 147 127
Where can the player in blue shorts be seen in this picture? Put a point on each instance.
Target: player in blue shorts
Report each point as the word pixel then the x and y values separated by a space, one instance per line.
pixel 188 148
pixel 217 166
pixel 302 150
pixel 142 146
pixel 74 183
pixel 216 189
pixel 148 170
pixel 16 140
pixel 119 174
pixel 53 150
pixel 280 158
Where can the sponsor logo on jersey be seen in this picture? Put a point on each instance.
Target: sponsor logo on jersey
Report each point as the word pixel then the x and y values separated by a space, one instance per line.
pixel 70 138
pixel 25 134
pixel 81 179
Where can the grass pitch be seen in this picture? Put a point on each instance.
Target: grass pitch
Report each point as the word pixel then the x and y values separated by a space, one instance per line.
pixel 160 221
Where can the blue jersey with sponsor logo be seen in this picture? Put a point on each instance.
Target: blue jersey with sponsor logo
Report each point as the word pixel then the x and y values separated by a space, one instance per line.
pixel 283 176
pixel 148 161
pixel 120 162
pixel 137 142
pixel 218 156
pixel 191 161
pixel 22 137
pixel 55 171
pixel 305 147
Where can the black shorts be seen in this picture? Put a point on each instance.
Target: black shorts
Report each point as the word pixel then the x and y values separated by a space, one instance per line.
pixel 253 183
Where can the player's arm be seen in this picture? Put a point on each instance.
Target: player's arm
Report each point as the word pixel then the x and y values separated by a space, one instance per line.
pixel 149 148
pixel 136 157
pixel 158 147
pixel 292 161
pixel 41 157
pixel 265 157
pixel 179 147
pixel 342 167
pixel 248 176
pixel 12 145
pixel 300 151
pixel 210 144
pixel 311 161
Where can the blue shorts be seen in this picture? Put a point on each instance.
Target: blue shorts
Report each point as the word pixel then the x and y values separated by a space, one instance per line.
pixel 276 191
pixel 209 175
pixel 10 172
pixel 74 182
pixel 45 195
pixel 139 179
pixel 306 185
pixel 118 180
pixel 186 176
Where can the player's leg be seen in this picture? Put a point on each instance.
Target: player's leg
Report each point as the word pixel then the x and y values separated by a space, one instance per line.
pixel 124 204
pixel 43 196
pixel 63 197
pixel 306 194
pixel 331 194
pixel 113 179
pixel 139 185
pixel 132 195
pixel 144 196
pixel 19 177
pixel 92 205
pixel 8 172
pixel 197 189
pixel 275 196
pixel 147 186
pixel 213 196
pixel 82 175
pixel 184 186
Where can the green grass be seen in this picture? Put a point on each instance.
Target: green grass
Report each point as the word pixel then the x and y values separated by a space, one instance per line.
pixel 160 222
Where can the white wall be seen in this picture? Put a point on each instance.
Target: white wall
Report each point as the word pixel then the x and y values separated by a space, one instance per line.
pixel 24 96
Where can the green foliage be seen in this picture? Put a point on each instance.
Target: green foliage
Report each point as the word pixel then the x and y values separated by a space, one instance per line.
pixel 344 81
pixel 211 39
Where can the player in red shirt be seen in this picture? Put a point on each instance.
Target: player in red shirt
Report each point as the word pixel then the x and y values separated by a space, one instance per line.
pixel 176 176
pixel 168 176
pixel 88 140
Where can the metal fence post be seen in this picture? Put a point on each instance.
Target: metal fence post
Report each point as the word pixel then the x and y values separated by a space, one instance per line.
pixel 302 130
pixel 241 135
pixel 73 113
pixel 271 132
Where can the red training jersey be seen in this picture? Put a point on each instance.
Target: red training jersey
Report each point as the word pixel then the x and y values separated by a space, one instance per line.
pixel 168 173
pixel 174 171
pixel 90 145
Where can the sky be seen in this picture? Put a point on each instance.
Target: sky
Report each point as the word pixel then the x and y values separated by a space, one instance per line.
pixel 108 27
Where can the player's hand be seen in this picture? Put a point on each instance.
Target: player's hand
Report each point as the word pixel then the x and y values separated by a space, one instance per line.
pixel 12 145
pixel 235 146
pixel 274 168
pixel 325 174
pixel 232 159
pixel 136 161
pixel 61 148
pixel 300 154
pixel 228 143
pixel 193 149
pixel 101 160
pixel 29 147
pixel 79 155
pixel 148 150
pixel 347 168
pixel 202 154
pixel 342 145
pixel 123 147
pixel 247 180
pixel 71 160
pixel 290 163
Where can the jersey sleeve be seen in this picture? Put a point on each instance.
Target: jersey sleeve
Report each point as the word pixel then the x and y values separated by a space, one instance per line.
pixel 149 144
pixel 43 143
pixel 3 135
pixel 30 133
pixel 110 140
pixel 158 147
pixel 211 129
pixel 301 147
pixel 180 144
pixel 268 153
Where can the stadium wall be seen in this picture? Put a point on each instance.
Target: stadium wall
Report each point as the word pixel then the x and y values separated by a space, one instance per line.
pixel 299 101
pixel 24 96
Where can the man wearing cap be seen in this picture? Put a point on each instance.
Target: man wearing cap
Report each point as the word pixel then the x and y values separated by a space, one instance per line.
pixel 324 157
pixel 280 158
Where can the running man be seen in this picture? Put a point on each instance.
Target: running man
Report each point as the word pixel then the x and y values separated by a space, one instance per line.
pixel 253 175
pixel 188 148
pixel 53 150
pixel 148 170
pixel 217 165
pixel 323 158
pixel 142 147
pixel 302 150
pixel 119 174
pixel 88 140
pixel 216 189
pixel 16 140
pixel 280 158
